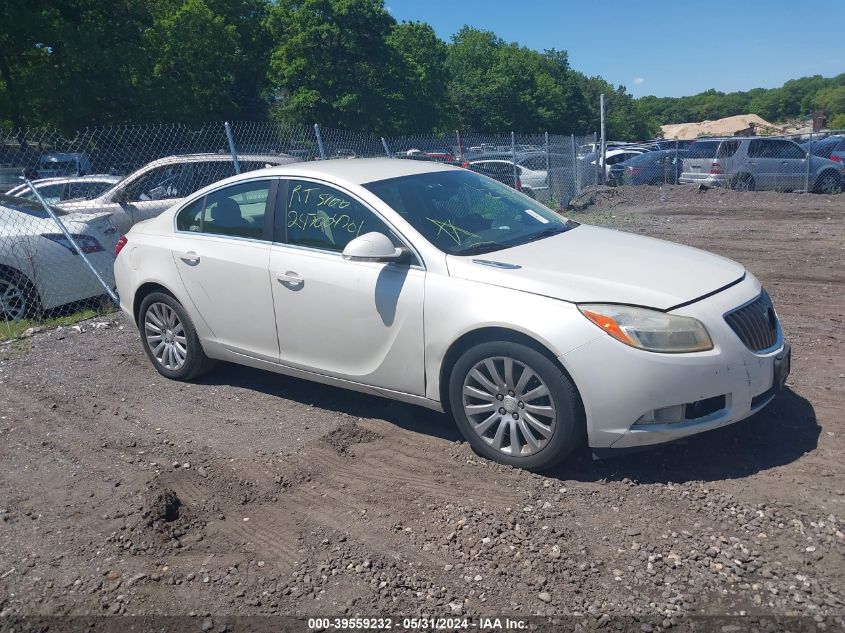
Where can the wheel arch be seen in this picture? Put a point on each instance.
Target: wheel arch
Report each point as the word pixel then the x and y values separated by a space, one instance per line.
pixel 828 171
pixel 494 333
pixel 144 290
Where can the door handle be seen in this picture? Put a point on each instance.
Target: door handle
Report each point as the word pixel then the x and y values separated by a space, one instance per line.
pixel 290 278
pixel 190 258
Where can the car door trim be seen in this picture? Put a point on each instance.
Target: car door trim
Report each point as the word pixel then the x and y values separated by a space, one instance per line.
pixel 306 374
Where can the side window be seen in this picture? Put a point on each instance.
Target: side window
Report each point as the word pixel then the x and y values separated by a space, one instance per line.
pixel 202 174
pixel 86 190
pixel 51 193
pixel 190 218
pixel 162 183
pixel 788 149
pixel 322 217
pixel 757 149
pixel 237 211
pixel 727 149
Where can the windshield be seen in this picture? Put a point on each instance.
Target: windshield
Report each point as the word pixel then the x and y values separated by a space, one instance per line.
pixel 64 167
pixel 30 207
pixel 463 213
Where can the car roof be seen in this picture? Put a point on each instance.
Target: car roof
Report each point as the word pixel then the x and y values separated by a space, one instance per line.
pixel 177 159
pixel 358 170
pixel 71 179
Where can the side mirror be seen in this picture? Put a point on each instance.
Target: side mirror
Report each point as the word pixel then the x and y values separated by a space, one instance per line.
pixel 372 247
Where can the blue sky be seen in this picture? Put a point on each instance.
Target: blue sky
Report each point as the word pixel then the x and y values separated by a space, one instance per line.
pixel 661 47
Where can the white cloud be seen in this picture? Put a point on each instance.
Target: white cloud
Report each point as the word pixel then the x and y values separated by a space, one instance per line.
pixel 639 81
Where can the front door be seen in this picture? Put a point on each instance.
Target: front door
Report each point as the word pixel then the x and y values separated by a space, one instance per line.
pixel 222 252
pixel 361 321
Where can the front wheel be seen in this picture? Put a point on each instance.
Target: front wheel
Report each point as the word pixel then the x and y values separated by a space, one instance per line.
pixel 515 406
pixel 170 339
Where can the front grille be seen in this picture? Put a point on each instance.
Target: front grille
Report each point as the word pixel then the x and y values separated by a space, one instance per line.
pixel 755 323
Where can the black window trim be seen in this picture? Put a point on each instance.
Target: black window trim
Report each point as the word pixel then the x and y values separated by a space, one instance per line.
pixel 269 211
pixel 281 214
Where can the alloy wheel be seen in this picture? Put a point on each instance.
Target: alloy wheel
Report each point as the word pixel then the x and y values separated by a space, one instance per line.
pixel 165 335
pixel 13 303
pixel 509 406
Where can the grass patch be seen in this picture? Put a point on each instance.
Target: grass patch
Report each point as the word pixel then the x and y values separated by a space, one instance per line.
pixel 14 329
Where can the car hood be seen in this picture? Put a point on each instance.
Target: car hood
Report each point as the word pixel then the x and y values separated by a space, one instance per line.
pixel 592 264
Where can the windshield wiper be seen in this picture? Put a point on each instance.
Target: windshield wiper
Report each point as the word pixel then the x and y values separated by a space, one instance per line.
pixel 552 230
pixel 481 248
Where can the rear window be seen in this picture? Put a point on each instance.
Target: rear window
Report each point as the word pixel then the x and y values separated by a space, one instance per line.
pixel 703 149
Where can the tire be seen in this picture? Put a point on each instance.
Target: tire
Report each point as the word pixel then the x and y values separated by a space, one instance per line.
pixel 182 356
pixel 529 192
pixel 559 413
pixel 743 182
pixel 827 182
pixel 18 297
pixel 657 182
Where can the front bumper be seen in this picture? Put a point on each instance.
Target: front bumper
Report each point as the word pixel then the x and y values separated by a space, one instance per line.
pixel 620 384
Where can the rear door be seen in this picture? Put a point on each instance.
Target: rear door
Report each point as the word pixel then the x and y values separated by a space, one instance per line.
pixel 221 247
pixel 776 164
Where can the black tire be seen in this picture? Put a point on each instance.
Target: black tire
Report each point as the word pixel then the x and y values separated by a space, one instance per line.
pixel 743 182
pixel 18 297
pixel 657 182
pixel 196 363
pixel 569 427
pixel 827 182
pixel 529 192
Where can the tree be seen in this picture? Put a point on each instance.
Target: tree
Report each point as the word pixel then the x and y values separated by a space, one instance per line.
pixel 193 60
pixel 831 100
pixel 497 87
pixel 419 95
pixel 330 63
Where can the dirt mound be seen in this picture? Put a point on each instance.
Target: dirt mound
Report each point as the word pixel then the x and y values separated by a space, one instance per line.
pixel 349 434
pixel 162 506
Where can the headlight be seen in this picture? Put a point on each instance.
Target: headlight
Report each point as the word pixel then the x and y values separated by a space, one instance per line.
pixel 650 330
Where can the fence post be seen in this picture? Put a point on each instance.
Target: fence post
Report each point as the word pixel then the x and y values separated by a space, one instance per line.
pixel 232 148
pixel 72 241
pixel 386 148
pixel 676 175
pixel 516 182
pixel 598 156
pixel 809 158
pixel 320 141
pixel 603 141
pixel 548 173
pixel 576 178
pixel 460 145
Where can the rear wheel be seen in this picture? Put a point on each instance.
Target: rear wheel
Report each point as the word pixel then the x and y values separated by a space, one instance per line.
pixel 18 297
pixel 743 182
pixel 170 339
pixel 828 182
pixel 515 406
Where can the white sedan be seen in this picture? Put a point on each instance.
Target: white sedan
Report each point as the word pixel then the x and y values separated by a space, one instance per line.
pixel 39 268
pixel 438 286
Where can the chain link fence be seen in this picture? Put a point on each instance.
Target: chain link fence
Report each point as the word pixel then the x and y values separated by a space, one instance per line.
pixel 100 181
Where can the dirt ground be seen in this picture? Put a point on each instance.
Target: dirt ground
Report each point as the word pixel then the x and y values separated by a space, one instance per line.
pixel 249 493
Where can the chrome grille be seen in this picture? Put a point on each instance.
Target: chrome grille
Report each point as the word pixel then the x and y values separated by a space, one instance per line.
pixel 755 323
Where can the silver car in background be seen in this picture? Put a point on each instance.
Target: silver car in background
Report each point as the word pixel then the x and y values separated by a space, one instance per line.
pixel 55 190
pixel 759 163
pixel 162 183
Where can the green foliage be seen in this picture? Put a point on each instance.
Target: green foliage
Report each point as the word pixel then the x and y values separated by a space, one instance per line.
pixel 796 98
pixel 342 63
pixel 837 122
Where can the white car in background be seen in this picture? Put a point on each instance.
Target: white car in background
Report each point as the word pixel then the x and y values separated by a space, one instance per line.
pixel 55 190
pixel 162 183
pixel 530 171
pixel 39 268
pixel 614 156
pixel 438 286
